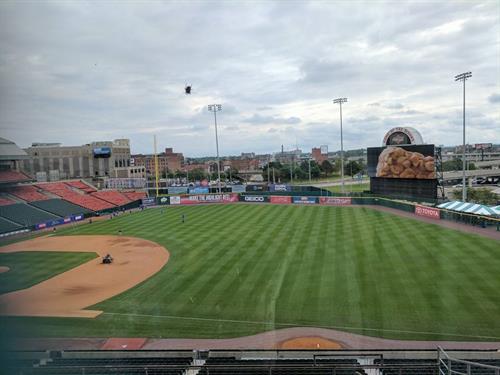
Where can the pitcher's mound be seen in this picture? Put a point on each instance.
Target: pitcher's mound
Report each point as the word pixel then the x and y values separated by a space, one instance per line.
pixel 313 342
pixel 4 269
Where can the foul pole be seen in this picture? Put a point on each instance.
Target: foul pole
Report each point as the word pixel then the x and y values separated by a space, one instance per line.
pixel 156 166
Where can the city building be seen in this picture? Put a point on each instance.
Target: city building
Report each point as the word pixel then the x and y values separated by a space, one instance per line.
pixel 319 154
pixel 168 161
pixel 52 161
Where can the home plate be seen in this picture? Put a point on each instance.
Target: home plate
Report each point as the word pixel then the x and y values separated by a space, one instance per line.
pixel 117 343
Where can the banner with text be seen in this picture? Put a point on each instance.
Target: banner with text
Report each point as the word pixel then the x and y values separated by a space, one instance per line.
pixel 433 213
pixel 304 200
pixel 209 198
pixel 280 199
pixel 254 198
pixel 335 201
pixel 280 187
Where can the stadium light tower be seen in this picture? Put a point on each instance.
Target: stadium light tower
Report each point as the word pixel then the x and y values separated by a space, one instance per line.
pixel 216 108
pixel 463 77
pixel 340 101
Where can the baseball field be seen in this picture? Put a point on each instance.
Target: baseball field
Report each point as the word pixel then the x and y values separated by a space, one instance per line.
pixel 236 270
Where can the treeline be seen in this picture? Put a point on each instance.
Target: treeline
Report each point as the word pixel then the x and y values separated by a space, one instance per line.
pixel 300 171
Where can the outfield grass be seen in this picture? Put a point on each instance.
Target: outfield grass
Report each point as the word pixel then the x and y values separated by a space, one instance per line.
pixel 28 268
pixel 240 269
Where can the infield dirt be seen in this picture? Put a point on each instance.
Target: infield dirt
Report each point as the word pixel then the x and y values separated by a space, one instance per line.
pixel 70 293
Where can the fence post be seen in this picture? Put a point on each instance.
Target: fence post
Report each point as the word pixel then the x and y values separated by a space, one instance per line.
pixel 468 368
pixel 449 366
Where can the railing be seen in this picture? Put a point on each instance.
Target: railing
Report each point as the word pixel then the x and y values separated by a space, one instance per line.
pixel 445 363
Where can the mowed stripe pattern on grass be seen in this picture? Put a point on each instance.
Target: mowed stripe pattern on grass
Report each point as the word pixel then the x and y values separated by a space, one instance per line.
pixel 244 269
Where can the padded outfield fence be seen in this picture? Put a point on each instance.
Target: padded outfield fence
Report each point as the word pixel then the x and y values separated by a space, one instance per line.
pixel 316 197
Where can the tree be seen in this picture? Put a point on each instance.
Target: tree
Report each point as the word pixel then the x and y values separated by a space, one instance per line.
pixel 197 174
pixel 326 167
pixel 456 165
pixel 478 195
pixel 353 167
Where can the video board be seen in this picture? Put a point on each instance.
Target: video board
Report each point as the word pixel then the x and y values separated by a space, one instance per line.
pixel 404 171
pixel 102 152
pixel 409 161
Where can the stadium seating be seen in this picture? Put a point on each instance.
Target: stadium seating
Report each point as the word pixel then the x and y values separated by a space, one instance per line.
pixel 13 176
pixel 29 193
pixel 81 186
pixel 135 195
pixel 25 215
pixel 112 196
pixel 84 200
pixel 4 201
pixel 60 207
pixel 122 366
pixel 7 226
pixel 408 366
pixel 229 365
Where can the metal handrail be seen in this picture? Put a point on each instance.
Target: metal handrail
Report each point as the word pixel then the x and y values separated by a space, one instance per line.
pixel 469 364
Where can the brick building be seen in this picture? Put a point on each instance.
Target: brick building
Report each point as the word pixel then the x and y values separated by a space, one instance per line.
pixel 168 161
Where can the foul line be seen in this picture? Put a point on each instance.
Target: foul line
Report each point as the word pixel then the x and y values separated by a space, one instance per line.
pixel 295 325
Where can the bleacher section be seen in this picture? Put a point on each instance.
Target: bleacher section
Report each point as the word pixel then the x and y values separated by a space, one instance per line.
pixel 7 226
pixel 81 186
pixel 410 366
pixel 103 366
pixel 135 195
pixel 25 215
pixel 112 196
pixel 293 362
pixel 13 176
pixel 29 193
pixel 228 365
pixel 60 207
pixel 4 201
pixel 84 200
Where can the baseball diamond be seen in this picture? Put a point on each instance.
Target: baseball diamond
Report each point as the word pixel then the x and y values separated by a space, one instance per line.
pixel 243 269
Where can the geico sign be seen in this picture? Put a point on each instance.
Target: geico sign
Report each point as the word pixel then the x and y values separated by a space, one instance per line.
pixel 427 212
pixel 254 199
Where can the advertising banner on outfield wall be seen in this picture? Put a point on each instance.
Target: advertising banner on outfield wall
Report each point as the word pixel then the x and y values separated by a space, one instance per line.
pixel 254 198
pixel 280 199
pixel 433 213
pixel 199 190
pixel 177 189
pixel 53 223
pixel 238 188
pixel 280 187
pixel 304 200
pixel 209 198
pixel 335 201
pixel 175 200
pixel 255 188
pixel 148 201
pixel 163 200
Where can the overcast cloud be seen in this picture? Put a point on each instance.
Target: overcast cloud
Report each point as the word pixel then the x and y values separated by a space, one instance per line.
pixel 76 72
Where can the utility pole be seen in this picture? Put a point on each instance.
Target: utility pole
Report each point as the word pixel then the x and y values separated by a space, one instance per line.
pixel 216 108
pixel 309 170
pixel 340 101
pixel 463 77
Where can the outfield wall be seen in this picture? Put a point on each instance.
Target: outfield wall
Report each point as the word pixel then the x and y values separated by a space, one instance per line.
pixel 295 198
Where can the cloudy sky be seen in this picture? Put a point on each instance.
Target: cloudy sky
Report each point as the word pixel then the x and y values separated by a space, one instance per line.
pixel 79 71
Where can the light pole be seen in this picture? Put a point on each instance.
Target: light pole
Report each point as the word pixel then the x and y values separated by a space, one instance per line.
pixel 216 108
pixel 463 77
pixel 309 170
pixel 340 101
